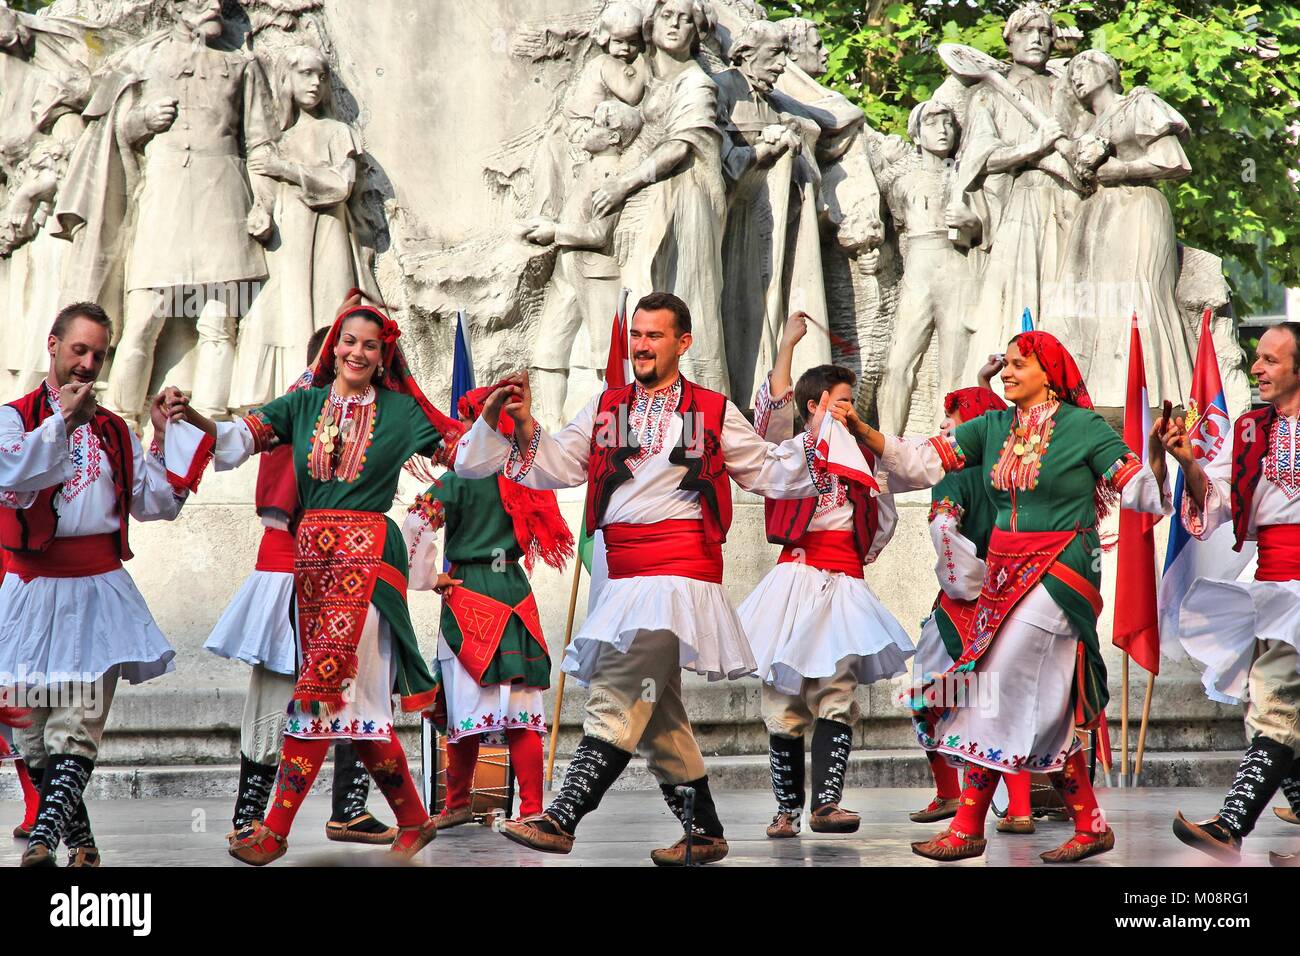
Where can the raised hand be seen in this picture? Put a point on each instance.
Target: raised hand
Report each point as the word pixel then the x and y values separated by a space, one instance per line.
pixel 507 391
pixel 519 405
pixel 161 113
pixel 995 364
pixel 77 403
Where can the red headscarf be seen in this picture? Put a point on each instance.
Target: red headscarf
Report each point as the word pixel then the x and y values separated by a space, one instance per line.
pixel 540 529
pixel 972 402
pixel 1062 374
pixel 396 375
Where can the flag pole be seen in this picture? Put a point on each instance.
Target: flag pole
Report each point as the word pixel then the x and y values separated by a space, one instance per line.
pixel 559 688
pixel 1142 732
pixel 1123 725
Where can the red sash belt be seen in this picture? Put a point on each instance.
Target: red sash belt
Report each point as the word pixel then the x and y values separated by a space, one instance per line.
pixel 482 621
pixel 78 557
pixel 826 551
pixel 277 551
pixel 677 547
pixel 1279 553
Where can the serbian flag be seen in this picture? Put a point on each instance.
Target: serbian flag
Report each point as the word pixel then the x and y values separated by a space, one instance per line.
pixel 618 372
pixel 1137 622
pixel 1209 429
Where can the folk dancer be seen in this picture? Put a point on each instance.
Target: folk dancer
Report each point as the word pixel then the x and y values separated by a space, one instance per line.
pixel 657 457
pixel 815 627
pixel 1246 634
pixel 72 623
pixel 352 431
pixel 1053 468
pixel 493 662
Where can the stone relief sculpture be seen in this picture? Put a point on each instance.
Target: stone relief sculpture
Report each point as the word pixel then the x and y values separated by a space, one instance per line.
pixel 1025 188
pixel 804 45
pixel 170 128
pixel 1121 256
pixel 312 254
pixel 771 255
pixel 587 276
pixel 942 262
pixel 679 242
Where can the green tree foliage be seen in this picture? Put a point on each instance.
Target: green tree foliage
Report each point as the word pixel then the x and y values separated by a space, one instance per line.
pixel 1232 69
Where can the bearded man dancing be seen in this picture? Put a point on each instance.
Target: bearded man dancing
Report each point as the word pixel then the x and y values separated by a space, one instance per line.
pixel 656 456
pixel 71 619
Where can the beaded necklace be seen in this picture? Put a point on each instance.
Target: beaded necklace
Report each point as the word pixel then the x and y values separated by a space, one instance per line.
pixel 343 434
pixel 1022 453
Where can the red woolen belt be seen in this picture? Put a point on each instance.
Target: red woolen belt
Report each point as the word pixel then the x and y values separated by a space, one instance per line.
pixel 1279 553
pixel 826 551
pixel 78 557
pixel 276 552
pixel 674 547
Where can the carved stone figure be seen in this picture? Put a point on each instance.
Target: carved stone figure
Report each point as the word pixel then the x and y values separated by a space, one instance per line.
pixel 1026 191
pixel 940 270
pixel 804 46
pixel 678 243
pixel 1121 258
pixel 188 113
pixel 771 255
pixel 312 254
pixel 585 282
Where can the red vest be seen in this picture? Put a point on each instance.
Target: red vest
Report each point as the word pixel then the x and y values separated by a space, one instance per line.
pixel 32 529
pixel 699 452
pixel 1248 466
pixel 787 519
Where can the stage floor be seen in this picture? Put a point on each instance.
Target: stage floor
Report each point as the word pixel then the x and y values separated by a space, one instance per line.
pixel 630 823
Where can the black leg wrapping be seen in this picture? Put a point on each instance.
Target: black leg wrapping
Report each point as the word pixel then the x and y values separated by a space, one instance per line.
pixel 704 820
pixel 255 783
pixel 785 755
pixel 78 835
pixel 66 777
pixel 1259 775
pixel 592 770
pixel 1290 786
pixel 351 784
pixel 831 744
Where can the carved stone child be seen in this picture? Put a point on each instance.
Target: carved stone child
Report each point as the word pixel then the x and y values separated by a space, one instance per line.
pixel 312 254
pixel 587 276
pixel 618 73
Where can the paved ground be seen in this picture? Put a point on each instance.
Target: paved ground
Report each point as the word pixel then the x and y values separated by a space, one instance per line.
pixel 629 824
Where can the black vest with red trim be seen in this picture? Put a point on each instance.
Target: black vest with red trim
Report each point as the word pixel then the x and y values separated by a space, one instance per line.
pixel 32 529
pixel 1248 454
pixel 699 451
pixel 787 519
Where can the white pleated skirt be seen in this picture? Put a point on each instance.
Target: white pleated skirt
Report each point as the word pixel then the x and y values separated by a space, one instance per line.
pixel 475 709
pixel 1220 621
pixel 932 656
pixel 55 630
pixel 257 627
pixel 710 639
pixel 801 622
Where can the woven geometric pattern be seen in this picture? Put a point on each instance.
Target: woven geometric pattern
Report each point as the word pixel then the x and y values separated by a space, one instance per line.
pixel 339 554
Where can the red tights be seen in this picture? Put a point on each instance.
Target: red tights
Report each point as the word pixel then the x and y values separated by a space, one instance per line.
pixel 300 762
pixel 525 759
pixel 1018 803
pixel 945 777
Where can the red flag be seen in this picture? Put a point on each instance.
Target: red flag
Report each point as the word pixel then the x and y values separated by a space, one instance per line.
pixel 616 372
pixel 1137 621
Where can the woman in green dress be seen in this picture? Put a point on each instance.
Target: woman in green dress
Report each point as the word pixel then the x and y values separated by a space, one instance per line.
pixel 493 663
pixel 1053 468
pixel 352 432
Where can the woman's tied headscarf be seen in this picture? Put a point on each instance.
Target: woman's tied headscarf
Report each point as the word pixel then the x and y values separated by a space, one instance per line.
pixel 1062 372
pixel 396 375
pixel 540 529
pixel 972 402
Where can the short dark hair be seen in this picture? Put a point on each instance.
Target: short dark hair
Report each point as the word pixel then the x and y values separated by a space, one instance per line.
pixel 316 341
pixel 79 310
pixel 818 379
pixel 1294 329
pixel 658 301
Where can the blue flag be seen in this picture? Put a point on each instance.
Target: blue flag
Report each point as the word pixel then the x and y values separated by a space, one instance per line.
pixel 1026 320
pixel 462 365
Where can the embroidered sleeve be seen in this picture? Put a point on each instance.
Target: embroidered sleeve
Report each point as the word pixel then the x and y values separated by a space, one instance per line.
pixel 946 506
pixel 430 509
pixel 420 532
pixel 36 460
pixel 519 463
pixel 1122 471
pixel 951 455
pixel 817 466
pixel 773 416
pixel 262 434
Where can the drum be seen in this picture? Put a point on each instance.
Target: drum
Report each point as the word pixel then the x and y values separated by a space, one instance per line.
pixel 492 790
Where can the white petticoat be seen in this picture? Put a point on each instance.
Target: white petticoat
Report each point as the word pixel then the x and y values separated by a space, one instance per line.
pixel 710 639
pixel 1220 621
pixel 75 629
pixel 1017 713
pixel 367 711
pixel 256 627
pixel 475 709
pixel 931 653
pixel 802 622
